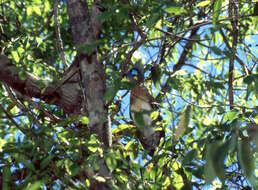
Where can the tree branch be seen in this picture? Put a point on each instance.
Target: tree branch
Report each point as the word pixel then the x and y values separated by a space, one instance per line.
pixel 58 35
pixel 66 96
pixel 234 22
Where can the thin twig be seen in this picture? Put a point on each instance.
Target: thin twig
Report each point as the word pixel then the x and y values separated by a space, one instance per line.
pixel 213 105
pixel 20 105
pixel 12 120
pixel 210 75
pixel 58 35
pixel 233 12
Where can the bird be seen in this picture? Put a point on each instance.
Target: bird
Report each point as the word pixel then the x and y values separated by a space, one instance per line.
pixel 142 104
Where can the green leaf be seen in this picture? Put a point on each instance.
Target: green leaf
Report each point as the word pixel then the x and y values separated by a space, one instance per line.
pixel 128 145
pixel 155 76
pixel 183 122
pixel 126 85
pixel 15 56
pixel 216 12
pixel 37 10
pixel 216 50
pixel 99 178
pixel 219 158
pixel 154 115
pixel 94 145
pixel 110 94
pixel 152 20
pixel 34 186
pixel 121 128
pixel 175 10
pixel 75 169
pixel 203 4
pixel 232 115
pixel 245 157
pixel 189 157
pixel 111 162
pixel 215 156
pixel 29 10
pixel 252 78
pixel 22 75
pixel 256 9
pixel 47 6
pixel 209 170
pixel 45 162
pixel 152 174
pixel 84 120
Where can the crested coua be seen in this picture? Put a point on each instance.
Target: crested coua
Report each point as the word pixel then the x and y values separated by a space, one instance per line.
pixel 141 107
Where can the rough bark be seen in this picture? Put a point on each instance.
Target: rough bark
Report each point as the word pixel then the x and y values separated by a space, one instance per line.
pixel 85 30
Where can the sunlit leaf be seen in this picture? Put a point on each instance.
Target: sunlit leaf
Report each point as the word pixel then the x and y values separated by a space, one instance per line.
pixel 175 10
pixel 203 4
pixel 216 11
pixel 121 128
pixel 230 116
pixel 100 179
pixel 15 56
pixel 29 10
pixel 84 120
pixel 154 115
pixel 34 186
pixel 47 6
pixel 111 162
pixel 37 10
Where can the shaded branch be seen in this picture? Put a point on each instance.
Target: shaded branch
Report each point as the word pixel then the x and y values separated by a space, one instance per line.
pixel 66 96
pixel 233 12
pixel 187 49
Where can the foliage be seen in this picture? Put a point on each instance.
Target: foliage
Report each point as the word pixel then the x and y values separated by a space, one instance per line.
pixel 188 74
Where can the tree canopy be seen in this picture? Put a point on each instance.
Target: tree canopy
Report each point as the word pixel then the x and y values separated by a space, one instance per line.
pixel 64 106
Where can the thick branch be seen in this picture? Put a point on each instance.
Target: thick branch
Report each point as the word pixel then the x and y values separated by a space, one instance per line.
pixel 66 96
pixel 85 30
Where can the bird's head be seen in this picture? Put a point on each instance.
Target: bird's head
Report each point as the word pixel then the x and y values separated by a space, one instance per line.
pixel 135 75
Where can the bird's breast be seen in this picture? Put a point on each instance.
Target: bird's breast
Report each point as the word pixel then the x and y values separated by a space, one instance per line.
pixel 139 104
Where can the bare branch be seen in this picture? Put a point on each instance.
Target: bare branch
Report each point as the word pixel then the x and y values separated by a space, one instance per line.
pixel 234 22
pixel 58 35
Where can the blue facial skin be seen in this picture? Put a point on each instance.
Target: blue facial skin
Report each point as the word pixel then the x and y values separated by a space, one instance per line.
pixel 133 72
